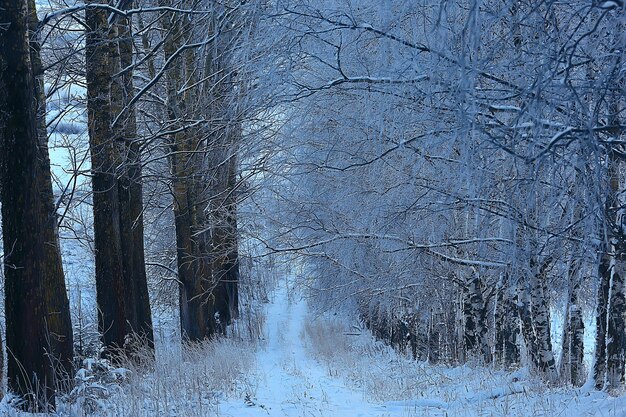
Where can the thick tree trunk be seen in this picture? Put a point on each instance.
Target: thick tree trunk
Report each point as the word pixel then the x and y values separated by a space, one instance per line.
pixel 112 317
pixel 58 317
pixel 130 188
pixel 30 372
pixel 224 249
pixel 194 271
pixel 118 132
pixel 204 205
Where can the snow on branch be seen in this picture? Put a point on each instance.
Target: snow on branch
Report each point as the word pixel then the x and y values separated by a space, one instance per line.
pixel 114 10
pixel 374 80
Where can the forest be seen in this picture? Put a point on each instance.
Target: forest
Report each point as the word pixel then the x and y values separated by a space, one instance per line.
pixel 313 207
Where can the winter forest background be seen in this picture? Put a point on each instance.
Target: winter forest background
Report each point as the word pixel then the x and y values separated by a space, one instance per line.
pixel 422 202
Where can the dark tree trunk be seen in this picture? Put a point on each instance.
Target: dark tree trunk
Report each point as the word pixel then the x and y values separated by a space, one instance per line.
pixel 131 189
pixel 223 249
pixel 475 319
pixel 416 338
pixel 225 265
pixel 58 318
pixel 193 306
pixel 204 204
pixel 112 317
pixel 30 373
pixel 118 137
pixel 195 264
pixel 434 338
pixel 576 345
pixel 511 335
pixel 232 257
pixel 545 360
pixel 194 269
pixel 507 326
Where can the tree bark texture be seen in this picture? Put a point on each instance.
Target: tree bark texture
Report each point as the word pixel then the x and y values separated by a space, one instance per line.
pixel 112 315
pixel 130 186
pixel 192 269
pixel 30 371
pixel 507 326
pixel 534 314
pixel 202 165
pixel 599 364
pixel 58 317
pixel 475 319
pixel 610 360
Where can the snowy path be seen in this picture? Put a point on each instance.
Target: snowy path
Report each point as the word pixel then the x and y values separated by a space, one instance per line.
pixel 290 382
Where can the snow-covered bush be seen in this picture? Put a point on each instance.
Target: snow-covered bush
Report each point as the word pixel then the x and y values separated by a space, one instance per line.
pixel 96 382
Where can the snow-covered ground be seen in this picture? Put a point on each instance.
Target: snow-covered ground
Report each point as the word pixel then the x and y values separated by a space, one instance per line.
pixel 318 366
pixel 289 381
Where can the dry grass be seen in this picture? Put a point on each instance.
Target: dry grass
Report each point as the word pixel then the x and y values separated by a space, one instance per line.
pixel 181 381
pixel 184 382
pixel 383 375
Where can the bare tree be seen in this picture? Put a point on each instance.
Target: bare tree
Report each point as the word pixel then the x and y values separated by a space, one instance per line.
pixel 58 317
pixel 25 219
pixel 111 295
